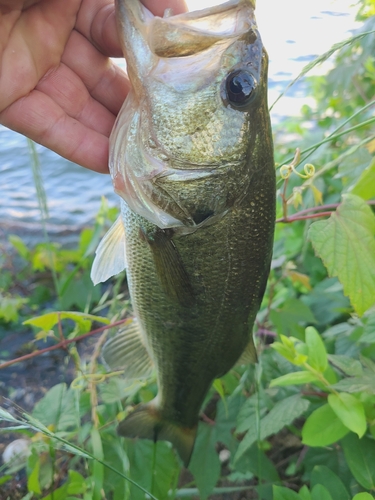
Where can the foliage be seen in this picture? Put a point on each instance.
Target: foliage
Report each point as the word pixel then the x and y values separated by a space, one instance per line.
pixel 298 426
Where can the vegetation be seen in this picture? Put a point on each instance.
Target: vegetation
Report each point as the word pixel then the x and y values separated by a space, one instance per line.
pixel 300 425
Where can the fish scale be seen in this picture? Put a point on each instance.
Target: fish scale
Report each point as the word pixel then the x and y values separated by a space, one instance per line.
pixel 192 159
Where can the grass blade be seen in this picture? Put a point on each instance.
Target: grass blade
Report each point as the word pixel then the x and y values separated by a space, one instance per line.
pixel 320 59
pixel 34 424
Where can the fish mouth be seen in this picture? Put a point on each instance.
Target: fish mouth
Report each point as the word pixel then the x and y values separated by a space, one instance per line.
pixel 188 33
pixel 192 32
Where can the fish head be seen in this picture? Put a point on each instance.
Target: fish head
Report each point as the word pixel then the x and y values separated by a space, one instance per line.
pixel 194 115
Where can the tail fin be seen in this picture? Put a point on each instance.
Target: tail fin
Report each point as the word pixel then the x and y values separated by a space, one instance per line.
pixel 147 423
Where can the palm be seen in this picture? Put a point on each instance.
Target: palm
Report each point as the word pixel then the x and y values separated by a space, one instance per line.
pixel 57 84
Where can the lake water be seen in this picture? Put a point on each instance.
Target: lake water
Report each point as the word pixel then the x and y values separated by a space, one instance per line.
pixel 294 32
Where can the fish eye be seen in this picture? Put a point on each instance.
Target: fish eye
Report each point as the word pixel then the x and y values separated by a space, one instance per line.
pixel 240 88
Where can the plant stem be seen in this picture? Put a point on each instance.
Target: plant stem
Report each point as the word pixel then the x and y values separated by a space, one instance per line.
pixel 60 345
pixel 327 211
pixel 304 217
pixel 315 147
pixel 92 382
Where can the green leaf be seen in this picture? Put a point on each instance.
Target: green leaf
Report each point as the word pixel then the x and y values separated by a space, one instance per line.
pixel 323 427
pixel 324 476
pixel 291 349
pixel 292 313
pixel 33 479
pixel 357 384
pixel 247 416
pixel 77 484
pixel 368 363
pixel 57 408
pixel 153 466
pixel 205 463
pixel 350 411
pixel 9 307
pixel 365 187
pixel 115 454
pixel 79 292
pixel 219 388
pixel 363 496
pixel 352 165
pixel 226 414
pixel 257 462
pixel 319 492
pixel 304 493
pixel 294 378
pixel 349 366
pixel 317 351
pixel 360 457
pixel 282 493
pixel 345 242
pixel 49 320
pixel 5 479
pixel 283 413
pixel 59 493
pixel 20 246
pixel 28 496
pixel 368 335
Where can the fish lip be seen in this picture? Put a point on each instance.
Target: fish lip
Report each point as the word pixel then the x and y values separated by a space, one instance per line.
pixel 167 34
pixel 215 9
pixel 197 13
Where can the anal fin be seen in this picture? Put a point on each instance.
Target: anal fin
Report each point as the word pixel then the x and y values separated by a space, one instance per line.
pixel 127 351
pixel 110 256
pixel 249 355
pixel 146 422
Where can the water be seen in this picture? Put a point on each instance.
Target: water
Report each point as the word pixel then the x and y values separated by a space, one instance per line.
pixel 294 32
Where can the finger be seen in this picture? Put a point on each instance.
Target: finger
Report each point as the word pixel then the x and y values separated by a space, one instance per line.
pixel 99 25
pixel 157 7
pixel 37 116
pixel 105 81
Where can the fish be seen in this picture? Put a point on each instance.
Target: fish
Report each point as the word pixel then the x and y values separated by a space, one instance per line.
pixel 191 157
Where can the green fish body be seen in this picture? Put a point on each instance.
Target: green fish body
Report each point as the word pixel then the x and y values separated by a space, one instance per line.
pixel 192 159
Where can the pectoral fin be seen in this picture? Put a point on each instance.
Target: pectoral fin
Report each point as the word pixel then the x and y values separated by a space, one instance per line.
pixel 127 351
pixel 147 422
pixel 169 266
pixel 249 355
pixel 110 255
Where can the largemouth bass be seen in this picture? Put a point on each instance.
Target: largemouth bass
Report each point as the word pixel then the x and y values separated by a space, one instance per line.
pixel 192 159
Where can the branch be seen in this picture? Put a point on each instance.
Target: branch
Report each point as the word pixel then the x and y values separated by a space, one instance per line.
pixel 302 215
pixel 60 345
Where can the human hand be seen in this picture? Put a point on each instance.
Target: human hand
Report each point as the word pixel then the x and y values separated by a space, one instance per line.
pixel 57 83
